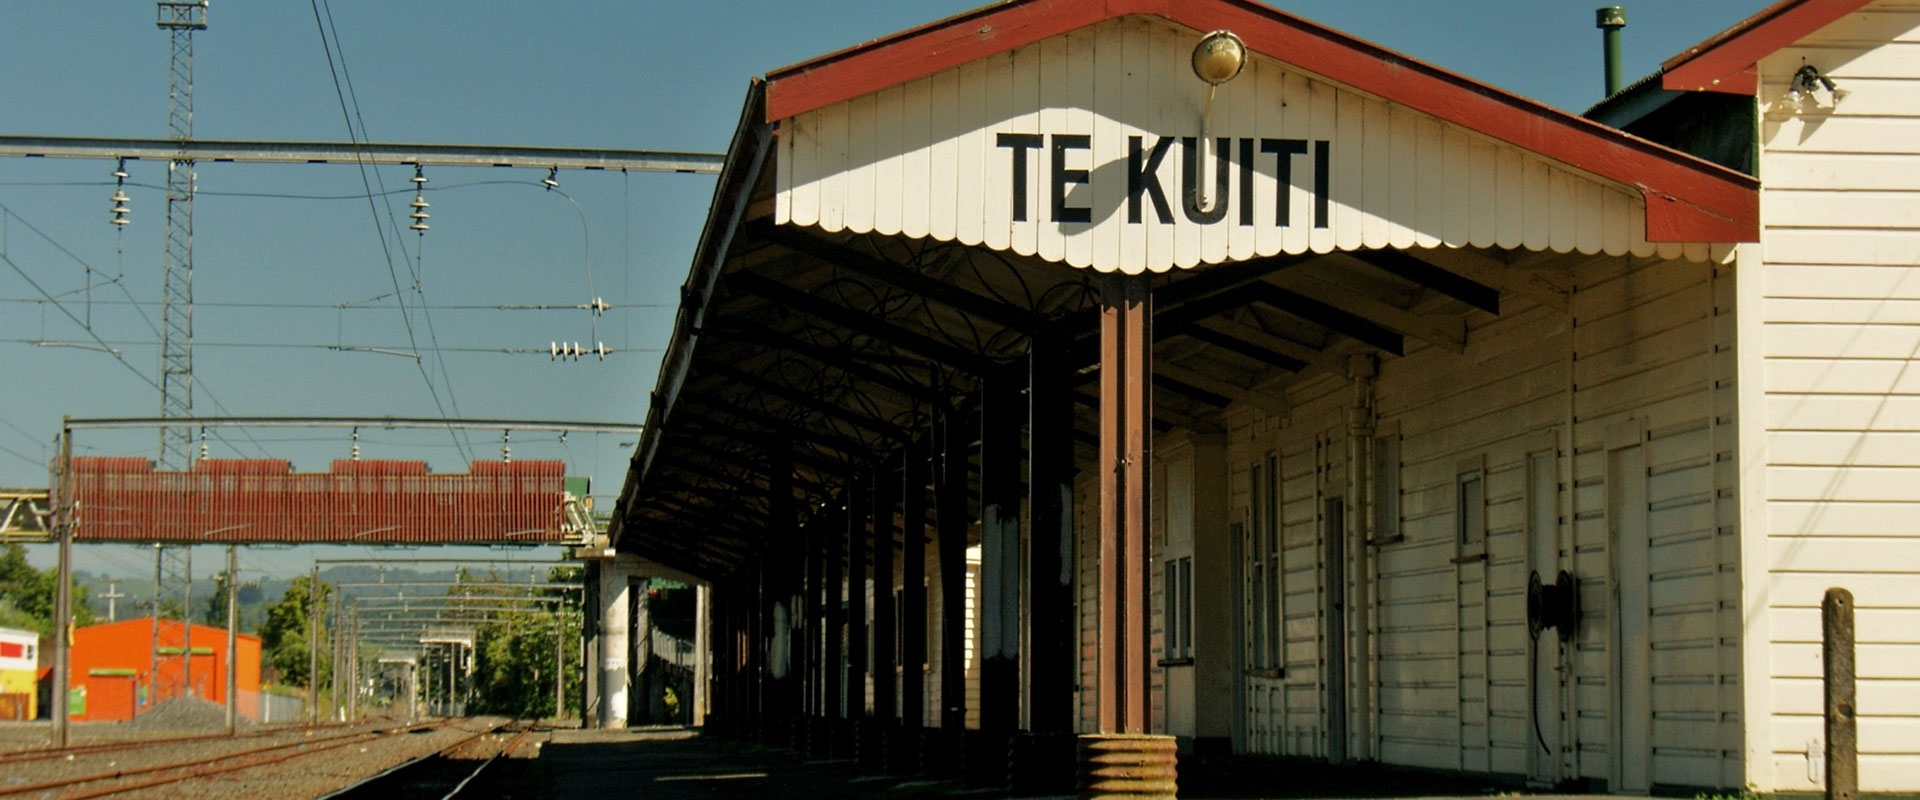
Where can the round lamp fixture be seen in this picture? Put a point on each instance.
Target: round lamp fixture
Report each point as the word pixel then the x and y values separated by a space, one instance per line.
pixel 1219 57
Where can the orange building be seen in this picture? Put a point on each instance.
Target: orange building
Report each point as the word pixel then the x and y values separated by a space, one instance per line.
pixel 114 674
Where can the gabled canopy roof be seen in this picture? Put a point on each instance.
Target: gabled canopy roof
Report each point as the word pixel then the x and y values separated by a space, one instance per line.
pixel 808 359
pixel 1687 199
pixel 1725 62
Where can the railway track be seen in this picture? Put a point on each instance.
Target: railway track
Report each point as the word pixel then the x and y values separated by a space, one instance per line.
pixel 118 781
pixel 48 753
pixel 444 774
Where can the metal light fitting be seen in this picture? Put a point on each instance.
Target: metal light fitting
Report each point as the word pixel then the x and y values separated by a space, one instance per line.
pixel 1806 81
pixel 1219 57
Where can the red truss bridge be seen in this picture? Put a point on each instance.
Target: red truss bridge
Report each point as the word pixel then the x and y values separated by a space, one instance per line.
pixel 263 501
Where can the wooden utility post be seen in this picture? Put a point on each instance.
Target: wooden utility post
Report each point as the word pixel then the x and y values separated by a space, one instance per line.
pixel 313 645
pixel 63 591
pixel 233 640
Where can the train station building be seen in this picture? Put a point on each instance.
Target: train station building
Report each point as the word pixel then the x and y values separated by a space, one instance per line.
pixel 1190 372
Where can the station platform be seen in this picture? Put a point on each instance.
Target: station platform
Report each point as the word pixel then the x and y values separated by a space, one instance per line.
pixel 673 763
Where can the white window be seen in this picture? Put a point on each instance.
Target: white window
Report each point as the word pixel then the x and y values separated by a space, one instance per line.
pixel 1178 580
pixel 1471 513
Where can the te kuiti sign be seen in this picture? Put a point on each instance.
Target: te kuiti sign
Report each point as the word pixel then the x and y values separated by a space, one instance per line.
pixel 1145 185
pixel 1099 148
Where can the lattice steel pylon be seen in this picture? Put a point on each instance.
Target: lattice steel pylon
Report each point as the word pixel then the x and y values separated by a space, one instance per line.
pixel 180 20
pixel 175 564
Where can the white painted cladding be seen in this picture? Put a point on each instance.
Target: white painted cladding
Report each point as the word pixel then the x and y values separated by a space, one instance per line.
pixel 1604 437
pixel 932 159
pixel 1829 326
pixel 1625 401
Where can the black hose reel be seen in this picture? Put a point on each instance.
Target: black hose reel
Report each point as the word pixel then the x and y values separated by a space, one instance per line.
pixel 1553 605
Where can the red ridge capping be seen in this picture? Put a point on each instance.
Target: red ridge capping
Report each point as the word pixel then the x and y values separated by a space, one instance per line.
pixel 1687 199
pixel 1725 62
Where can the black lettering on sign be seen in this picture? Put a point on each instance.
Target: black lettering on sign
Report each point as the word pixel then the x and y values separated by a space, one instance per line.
pixel 1143 176
pixel 1283 151
pixel 1322 157
pixel 1190 181
pixel 1020 143
pixel 1062 142
pixel 1145 185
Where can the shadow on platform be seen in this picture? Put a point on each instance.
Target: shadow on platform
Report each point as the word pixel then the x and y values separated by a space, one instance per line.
pixel 672 763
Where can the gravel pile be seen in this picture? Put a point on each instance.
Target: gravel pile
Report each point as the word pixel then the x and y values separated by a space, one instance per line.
pixel 187 714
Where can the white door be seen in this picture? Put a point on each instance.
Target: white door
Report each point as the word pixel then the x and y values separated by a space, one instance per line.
pixel 1632 668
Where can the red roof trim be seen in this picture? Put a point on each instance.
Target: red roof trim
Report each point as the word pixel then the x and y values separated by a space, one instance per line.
pixel 1725 63
pixel 1687 199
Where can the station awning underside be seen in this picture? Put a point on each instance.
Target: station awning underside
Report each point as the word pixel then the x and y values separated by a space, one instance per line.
pixel 837 345
pixel 841 349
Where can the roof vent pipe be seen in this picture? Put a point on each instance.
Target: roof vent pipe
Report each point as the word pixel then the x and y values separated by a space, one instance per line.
pixel 1610 19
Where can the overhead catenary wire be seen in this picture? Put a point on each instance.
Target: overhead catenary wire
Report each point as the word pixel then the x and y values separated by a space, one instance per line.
pixel 329 45
pixel 8 213
pixel 356 306
pixel 114 346
pixel 22 456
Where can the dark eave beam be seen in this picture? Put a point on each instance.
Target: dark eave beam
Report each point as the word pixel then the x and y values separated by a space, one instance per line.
pixel 1238 346
pixel 752 333
pixel 899 277
pixel 1353 325
pixel 863 323
pixel 1459 287
pixel 810 403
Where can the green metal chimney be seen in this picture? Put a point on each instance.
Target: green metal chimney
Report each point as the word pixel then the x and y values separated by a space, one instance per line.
pixel 1610 19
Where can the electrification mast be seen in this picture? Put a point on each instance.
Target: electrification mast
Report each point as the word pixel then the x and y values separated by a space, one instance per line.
pixel 180 20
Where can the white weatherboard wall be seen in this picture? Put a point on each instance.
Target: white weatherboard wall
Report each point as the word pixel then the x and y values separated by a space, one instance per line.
pixel 1626 399
pixel 1833 324
pixel 927 159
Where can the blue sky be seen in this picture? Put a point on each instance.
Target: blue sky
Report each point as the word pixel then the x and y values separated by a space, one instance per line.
pixel 289 260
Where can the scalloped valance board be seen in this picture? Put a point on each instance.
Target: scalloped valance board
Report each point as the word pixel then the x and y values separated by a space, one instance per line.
pixel 1096 148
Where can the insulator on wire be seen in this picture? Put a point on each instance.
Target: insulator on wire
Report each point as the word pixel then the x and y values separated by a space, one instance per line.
pixel 120 198
pixel 552 181
pixel 601 349
pixel 419 204
pixel 419 215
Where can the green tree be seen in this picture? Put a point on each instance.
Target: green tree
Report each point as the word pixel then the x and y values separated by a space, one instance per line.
pixel 26 594
pixel 514 651
pixel 283 636
pixel 215 612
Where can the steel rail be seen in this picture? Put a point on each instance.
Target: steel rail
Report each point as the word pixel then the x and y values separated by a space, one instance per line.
pixel 383 423
pixel 375 153
pixel 503 753
pixel 444 752
pixel 43 753
pixel 199 767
